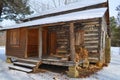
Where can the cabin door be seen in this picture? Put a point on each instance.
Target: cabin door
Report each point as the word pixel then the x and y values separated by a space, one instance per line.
pixel 33 42
pixel 52 43
pixel 48 43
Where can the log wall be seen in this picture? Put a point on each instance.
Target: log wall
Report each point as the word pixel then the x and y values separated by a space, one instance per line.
pixel 90 36
pixel 59 39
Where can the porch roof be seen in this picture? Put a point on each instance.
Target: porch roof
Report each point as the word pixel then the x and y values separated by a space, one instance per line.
pixel 80 15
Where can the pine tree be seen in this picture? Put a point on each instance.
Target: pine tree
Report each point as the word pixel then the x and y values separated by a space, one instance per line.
pixel 115 32
pixel 14 9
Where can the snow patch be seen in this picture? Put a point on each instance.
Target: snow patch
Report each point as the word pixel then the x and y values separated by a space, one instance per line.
pixel 112 72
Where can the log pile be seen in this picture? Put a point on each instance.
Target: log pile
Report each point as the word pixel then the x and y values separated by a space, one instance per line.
pixel 82 55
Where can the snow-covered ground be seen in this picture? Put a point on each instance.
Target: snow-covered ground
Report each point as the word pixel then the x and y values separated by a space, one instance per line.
pixel 2 53
pixel 112 72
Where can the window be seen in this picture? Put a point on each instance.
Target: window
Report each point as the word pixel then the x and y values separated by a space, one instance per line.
pixel 14 37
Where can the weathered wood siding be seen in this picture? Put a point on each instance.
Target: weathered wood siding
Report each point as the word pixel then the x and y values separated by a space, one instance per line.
pixel 16 42
pixel 91 38
pixel 102 39
pixel 58 39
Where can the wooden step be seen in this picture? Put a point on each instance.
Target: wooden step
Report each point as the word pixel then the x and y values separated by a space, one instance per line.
pixel 24 64
pixel 20 68
pixel 27 60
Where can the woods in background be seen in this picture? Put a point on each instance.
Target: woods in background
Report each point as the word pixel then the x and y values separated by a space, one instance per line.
pixel 115 32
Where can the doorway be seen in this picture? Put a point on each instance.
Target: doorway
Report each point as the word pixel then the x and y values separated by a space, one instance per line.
pixel 33 42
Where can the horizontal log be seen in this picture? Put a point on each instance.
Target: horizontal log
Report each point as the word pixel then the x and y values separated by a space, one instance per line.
pixel 91 46
pixel 91 23
pixel 91 34
pixel 90 39
pixel 93 59
pixel 92 49
pixel 91 42
pixel 62 40
pixel 61 51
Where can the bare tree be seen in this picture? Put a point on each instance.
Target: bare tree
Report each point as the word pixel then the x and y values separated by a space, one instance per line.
pixel 118 16
pixel 39 5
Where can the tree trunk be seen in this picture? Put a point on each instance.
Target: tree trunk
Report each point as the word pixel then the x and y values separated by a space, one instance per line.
pixel 1 6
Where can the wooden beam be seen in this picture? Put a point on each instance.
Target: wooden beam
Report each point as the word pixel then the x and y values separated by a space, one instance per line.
pixel 72 42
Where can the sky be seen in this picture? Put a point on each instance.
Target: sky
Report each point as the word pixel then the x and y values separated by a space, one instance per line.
pixel 112 6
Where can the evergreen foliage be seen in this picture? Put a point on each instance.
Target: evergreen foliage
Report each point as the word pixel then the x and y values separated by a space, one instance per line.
pixel 115 32
pixel 14 9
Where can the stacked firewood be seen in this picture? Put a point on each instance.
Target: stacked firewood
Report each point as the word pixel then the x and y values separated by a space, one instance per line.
pixel 82 55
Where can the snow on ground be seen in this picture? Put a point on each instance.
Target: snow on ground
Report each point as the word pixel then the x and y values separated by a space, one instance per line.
pixel 2 53
pixel 112 72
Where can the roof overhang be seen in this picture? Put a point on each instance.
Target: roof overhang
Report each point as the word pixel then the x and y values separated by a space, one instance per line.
pixel 81 15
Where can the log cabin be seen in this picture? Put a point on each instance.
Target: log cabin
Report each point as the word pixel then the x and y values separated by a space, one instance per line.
pixel 55 37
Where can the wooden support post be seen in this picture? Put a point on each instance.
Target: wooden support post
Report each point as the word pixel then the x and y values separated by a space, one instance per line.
pixel 72 42
pixel 40 43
